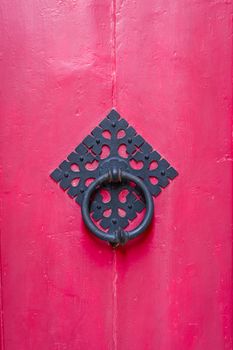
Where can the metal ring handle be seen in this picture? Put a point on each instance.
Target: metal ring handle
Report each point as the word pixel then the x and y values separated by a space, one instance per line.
pixel 119 236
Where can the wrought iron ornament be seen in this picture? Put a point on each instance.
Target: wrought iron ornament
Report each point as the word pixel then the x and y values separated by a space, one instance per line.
pixel 76 173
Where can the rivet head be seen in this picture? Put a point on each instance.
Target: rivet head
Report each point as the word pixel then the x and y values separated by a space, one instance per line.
pixel 130 140
pixel 81 190
pixel 81 158
pixel 66 174
pixel 114 221
pixel 113 124
pixel 163 172
pixel 130 206
pixel 147 156
pixel 98 206
pixel 97 141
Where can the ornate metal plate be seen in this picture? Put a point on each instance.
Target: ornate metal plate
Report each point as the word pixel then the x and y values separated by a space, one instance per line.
pixel 126 147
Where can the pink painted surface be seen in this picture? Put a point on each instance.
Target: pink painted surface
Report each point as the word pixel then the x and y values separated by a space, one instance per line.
pixel 166 67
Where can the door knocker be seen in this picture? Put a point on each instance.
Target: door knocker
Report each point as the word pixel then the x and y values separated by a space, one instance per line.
pixel 107 162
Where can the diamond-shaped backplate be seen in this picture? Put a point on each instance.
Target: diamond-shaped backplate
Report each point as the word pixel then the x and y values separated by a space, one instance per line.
pixel 89 158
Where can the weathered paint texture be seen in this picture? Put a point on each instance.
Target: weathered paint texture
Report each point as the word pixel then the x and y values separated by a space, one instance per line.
pixel 166 67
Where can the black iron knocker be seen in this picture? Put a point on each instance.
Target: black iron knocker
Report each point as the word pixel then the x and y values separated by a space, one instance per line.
pixel 118 235
pixel 115 173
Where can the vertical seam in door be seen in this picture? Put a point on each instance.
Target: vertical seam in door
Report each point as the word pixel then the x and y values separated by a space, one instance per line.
pixel 113 52
pixel 114 282
pixel 114 291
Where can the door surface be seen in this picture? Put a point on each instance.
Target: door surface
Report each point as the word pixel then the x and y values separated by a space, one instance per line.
pixel 166 67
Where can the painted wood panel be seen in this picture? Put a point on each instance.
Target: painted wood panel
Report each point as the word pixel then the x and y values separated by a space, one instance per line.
pixel 166 67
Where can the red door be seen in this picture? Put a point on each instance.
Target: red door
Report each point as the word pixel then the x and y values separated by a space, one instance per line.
pixel 165 66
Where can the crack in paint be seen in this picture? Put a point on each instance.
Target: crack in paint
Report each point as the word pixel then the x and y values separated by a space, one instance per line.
pixel 2 344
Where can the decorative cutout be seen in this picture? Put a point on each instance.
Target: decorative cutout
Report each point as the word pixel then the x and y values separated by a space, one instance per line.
pixel 89 160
